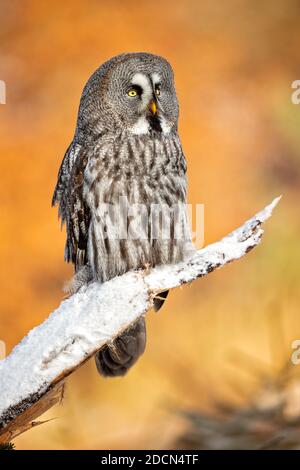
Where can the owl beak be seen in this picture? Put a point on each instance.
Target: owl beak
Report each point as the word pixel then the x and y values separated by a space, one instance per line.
pixel 153 107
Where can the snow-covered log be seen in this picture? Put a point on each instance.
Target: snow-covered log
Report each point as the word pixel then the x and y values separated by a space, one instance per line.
pixel 32 376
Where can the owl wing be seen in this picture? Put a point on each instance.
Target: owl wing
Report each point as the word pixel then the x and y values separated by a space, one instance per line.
pixel 73 210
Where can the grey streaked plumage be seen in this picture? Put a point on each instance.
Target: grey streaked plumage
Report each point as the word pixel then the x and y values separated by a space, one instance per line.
pixel 123 149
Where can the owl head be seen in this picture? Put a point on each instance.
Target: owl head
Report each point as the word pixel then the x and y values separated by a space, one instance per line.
pixel 133 92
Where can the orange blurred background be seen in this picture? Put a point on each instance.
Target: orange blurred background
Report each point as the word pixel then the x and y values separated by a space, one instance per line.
pixel 234 65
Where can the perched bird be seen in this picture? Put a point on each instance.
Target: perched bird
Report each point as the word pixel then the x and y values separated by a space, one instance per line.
pixel 125 148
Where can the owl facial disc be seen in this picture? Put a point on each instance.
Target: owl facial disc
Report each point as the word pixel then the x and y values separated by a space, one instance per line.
pixel 151 118
pixel 134 93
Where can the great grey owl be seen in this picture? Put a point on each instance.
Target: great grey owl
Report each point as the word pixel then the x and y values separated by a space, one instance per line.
pixel 125 148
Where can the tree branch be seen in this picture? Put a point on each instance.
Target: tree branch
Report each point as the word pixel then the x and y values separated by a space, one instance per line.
pixel 32 376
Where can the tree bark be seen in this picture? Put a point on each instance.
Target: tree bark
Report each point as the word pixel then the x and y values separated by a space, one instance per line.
pixel 32 377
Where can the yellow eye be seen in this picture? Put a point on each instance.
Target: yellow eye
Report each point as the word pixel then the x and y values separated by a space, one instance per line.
pixel 132 92
pixel 157 91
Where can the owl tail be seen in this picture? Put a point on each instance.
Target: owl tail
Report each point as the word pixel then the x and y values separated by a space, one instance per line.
pixel 116 359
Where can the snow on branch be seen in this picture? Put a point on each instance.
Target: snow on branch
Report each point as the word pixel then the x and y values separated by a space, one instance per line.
pixel 32 376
